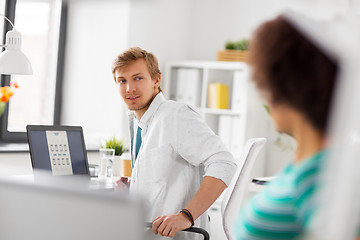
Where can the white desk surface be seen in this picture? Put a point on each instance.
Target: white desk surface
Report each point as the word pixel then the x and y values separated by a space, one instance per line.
pixel 252 187
pixel 24 178
pixel 94 184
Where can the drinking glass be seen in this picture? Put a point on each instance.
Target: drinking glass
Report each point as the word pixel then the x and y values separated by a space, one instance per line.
pixel 105 165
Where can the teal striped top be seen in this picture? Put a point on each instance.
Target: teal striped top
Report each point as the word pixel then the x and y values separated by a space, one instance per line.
pixel 283 209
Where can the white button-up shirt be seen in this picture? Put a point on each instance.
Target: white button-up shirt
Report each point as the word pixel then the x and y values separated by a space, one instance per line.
pixel 178 149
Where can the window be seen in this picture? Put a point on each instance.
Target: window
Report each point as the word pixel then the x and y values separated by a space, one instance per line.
pixel 37 100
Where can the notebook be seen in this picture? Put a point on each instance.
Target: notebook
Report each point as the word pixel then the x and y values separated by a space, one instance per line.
pixel 58 149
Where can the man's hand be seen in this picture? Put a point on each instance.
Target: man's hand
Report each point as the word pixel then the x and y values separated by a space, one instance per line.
pixel 210 190
pixel 169 225
pixel 123 183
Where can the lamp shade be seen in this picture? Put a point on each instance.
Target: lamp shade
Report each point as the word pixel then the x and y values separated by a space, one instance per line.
pixel 13 60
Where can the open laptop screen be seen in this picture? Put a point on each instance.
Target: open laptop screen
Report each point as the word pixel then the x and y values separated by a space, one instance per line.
pixel 59 149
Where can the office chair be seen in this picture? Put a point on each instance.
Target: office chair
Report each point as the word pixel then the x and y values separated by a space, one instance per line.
pixel 238 187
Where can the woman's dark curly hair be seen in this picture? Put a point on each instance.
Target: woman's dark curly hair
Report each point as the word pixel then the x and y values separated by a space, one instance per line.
pixel 293 70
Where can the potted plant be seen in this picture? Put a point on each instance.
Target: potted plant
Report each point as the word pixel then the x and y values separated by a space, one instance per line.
pixel 234 51
pixel 117 145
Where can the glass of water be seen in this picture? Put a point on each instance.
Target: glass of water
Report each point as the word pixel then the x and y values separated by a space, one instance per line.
pixel 105 165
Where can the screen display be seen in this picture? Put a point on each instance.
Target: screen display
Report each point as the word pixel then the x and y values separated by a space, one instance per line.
pixel 61 151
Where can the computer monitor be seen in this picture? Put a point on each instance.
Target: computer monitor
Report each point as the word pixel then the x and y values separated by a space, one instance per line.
pixel 59 149
pixel 65 211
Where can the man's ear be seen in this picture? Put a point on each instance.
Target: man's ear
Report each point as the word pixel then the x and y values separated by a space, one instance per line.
pixel 157 81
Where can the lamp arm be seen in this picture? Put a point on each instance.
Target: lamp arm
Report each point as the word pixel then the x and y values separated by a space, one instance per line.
pixel 7 20
pixel 4 45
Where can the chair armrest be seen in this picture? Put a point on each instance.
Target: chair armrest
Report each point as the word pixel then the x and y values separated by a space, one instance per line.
pixel 190 229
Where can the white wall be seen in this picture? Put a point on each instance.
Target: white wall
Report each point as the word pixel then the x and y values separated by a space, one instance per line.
pixel 194 30
pixel 216 22
pixel 162 27
pixel 97 31
pixel 354 7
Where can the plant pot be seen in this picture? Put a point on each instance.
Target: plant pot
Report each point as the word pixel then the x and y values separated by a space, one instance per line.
pixel 232 55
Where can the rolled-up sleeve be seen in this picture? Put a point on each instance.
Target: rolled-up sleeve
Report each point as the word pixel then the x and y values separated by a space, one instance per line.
pixel 196 143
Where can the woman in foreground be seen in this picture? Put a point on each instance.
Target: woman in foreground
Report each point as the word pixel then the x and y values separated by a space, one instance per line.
pixel 296 80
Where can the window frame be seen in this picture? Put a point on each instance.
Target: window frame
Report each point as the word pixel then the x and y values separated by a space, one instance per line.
pixel 20 137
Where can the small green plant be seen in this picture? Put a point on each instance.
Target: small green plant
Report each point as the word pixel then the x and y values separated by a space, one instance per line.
pixel 117 145
pixel 242 44
pixel 230 45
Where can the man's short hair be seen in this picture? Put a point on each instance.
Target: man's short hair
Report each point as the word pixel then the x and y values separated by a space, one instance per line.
pixel 133 54
pixel 293 70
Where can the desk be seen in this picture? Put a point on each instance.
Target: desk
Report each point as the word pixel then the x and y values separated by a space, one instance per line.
pixel 42 210
pixel 92 184
pixel 20 178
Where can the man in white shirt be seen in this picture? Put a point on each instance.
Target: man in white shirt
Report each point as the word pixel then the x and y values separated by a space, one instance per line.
pixel 180 167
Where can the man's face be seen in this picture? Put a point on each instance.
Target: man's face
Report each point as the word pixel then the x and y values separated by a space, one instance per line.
pixel 136 86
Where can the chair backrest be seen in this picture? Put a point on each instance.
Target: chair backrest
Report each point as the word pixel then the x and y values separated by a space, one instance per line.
pixel 238 187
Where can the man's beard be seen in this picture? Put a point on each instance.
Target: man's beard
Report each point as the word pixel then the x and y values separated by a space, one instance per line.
pixel 144 106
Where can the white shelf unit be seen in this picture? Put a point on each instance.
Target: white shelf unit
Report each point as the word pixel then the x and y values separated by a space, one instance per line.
pixel 188 81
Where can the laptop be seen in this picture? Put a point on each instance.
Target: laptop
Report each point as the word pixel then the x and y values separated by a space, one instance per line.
pixel 58 149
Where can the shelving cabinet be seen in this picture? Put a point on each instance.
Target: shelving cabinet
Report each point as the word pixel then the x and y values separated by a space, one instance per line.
pixel 188 81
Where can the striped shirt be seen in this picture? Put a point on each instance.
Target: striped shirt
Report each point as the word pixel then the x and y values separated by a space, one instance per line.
pixel 283 209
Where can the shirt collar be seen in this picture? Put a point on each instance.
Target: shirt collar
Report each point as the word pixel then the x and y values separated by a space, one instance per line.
pixel 155 104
